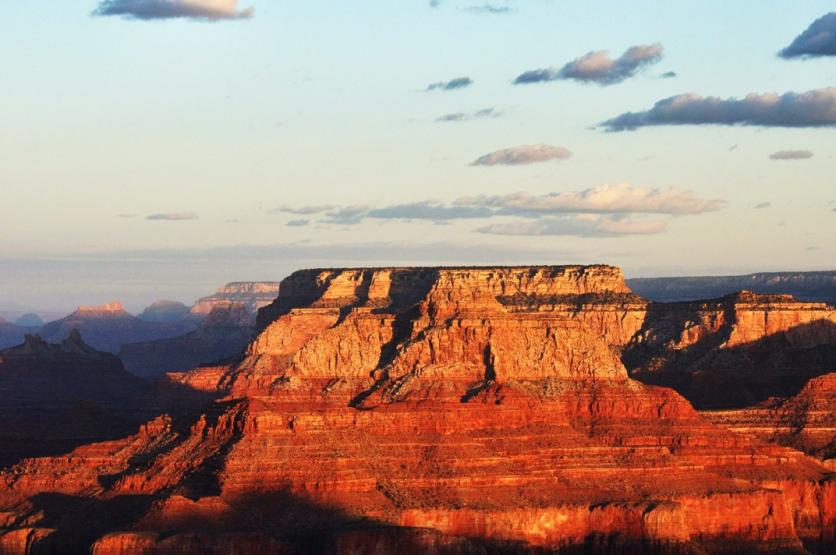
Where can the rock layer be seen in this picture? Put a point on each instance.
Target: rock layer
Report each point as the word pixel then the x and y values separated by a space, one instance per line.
pixel 431 410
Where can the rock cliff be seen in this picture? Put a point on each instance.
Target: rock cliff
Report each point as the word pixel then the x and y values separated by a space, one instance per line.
pixel 252 294
pixel 437 410
pixel 735 351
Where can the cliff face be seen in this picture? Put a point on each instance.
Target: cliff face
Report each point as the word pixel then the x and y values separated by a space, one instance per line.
pixel 252 294
pixel 735 351
pixel 431 410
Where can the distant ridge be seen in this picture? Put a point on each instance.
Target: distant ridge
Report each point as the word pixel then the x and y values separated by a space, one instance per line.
pixel 807 286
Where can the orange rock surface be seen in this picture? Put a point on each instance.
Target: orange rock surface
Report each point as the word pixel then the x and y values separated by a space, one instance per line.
pixel 429 410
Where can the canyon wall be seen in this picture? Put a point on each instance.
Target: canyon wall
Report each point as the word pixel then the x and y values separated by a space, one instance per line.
pixel 441 410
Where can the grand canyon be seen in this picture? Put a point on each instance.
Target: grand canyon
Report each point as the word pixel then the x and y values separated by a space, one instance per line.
pixel 438 410
pixel 442 277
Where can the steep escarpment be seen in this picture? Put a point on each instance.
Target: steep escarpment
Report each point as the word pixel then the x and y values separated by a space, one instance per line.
pixel 252 294
pixel 735 351
pixel 439 410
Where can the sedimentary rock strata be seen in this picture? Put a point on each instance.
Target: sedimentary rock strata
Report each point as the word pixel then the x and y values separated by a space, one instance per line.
pixel 735 351
pixel 432 410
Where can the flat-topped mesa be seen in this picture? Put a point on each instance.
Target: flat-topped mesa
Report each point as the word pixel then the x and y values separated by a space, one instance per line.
pixel 393 327
pixel 252 294
pixel 402 288
pixel 113 307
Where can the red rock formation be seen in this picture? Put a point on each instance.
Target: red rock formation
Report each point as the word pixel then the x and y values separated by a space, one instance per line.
pixel 735 351
pixel 431 410
pixel 806 421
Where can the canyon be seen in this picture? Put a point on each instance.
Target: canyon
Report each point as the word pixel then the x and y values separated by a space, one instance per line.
pixel 461 410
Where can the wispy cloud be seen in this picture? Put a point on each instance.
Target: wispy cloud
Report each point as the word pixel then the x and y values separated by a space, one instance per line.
pixel 819 39
pixel 586 225
pixel 763 205
pixel 521 155
pixel 173 216
pixel 207 10
pixel 424 210
pixel 598 67
pixel 493 9
pixel 302 210
pixel 668 75
pixel 603 199
pixel 468 116
pixel 451 85
pixel 816 108
pixel 791 155
pixel 298 223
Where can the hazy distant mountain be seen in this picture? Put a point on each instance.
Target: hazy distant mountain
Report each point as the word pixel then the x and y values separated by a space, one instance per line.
pixel 165 311
pixel 110 326
pixel 224 333
pixel 10 334
pixel 808 286
pixel 30 320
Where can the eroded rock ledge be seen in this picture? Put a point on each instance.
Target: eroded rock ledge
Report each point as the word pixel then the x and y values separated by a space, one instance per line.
pixel 430 410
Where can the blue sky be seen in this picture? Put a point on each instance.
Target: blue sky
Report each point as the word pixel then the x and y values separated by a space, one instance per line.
pixel 214 127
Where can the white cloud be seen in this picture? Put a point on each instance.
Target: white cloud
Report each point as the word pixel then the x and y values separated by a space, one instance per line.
pixel 520 155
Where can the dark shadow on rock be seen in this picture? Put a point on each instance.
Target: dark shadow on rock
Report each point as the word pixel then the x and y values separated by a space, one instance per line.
pixel 713 377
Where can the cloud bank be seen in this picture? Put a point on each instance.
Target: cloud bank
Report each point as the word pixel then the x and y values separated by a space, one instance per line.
pixel 819 39
pixel 597 67
pixel 207 10
pixel 173 216
pixel 522 155
pixel 791 155
pixel 816 108
pixel 603 211
pixel 451 85
pixel 303 210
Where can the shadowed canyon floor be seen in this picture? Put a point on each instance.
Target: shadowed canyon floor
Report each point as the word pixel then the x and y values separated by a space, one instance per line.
pixel 464 410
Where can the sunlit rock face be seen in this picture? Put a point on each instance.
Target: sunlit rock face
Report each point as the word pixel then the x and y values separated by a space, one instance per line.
pixel 428 410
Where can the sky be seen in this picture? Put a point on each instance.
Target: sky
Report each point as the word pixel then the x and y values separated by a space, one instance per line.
pixel 159 148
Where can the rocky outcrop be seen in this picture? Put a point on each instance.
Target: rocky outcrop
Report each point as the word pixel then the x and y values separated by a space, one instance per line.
pixel 433 410
pixel 252 294
pixel 108 327
pixel 55 396
pixel 806 421
pixel 735 351
pixel 806 286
